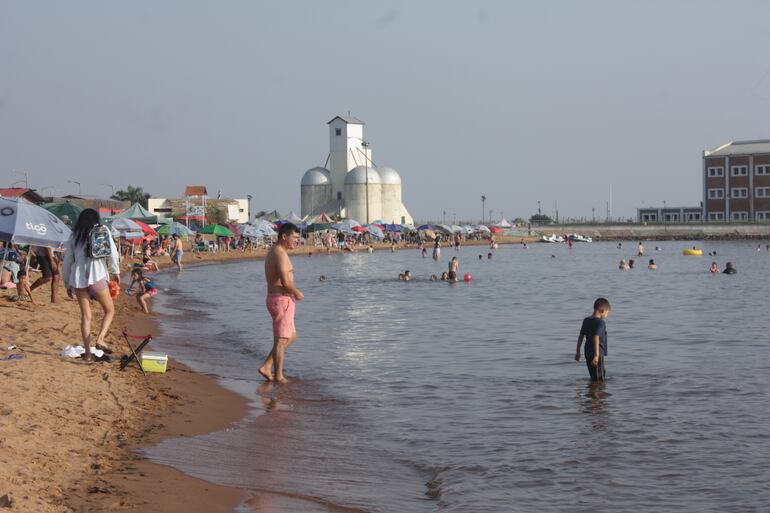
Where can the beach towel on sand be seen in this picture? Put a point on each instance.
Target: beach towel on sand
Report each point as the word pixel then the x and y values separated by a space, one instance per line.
pixel 78 351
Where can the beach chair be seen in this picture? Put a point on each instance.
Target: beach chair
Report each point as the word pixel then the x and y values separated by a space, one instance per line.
pixel 134 356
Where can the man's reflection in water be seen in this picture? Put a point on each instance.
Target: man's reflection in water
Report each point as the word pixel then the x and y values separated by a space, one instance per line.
pixel 266 398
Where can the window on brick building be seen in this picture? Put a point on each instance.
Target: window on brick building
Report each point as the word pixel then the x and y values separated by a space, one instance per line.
pixel 762 169
pixel 716 193
pixel 739 192
pixel 739 170
pixel 716 171
pixel 762 192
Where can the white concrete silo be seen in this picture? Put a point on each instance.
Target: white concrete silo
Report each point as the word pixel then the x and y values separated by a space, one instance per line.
pixel 356 194
pixel 393 209
pixel 315 190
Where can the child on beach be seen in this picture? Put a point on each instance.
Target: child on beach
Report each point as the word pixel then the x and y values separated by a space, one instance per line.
pixel 147 289
pixel 23 290
pixel 594 332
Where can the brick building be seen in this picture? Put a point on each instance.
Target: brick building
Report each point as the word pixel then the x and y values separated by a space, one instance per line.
pixel 736 182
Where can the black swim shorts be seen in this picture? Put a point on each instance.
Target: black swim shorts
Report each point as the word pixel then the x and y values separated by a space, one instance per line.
pixel 46 266
pixel 597 373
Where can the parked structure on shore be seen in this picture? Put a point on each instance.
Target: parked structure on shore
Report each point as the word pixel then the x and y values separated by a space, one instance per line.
pixel 352 186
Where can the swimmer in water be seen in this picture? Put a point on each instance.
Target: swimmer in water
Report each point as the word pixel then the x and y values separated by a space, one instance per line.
pixel 481 257
pixel 433 277
pixel 620 245
pixel 652 265
pixel 729 268
pixel 489 256
pixel 444 276
pixel 454 266
pixel 623 265
pixel 407 275
pixel 631 263
pixel 714 268
pixel 400 276
pixel 322 278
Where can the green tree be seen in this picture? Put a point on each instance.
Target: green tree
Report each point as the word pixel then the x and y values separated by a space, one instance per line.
pixel 540 219
pixel 215 215
pixel 132 194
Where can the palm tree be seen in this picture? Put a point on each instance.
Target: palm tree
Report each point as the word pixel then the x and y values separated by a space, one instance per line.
pixel 133 195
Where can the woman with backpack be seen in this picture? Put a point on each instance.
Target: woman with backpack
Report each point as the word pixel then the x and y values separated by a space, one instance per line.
pixel 90 257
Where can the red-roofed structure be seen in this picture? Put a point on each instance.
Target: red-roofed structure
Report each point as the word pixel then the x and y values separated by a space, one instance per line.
pixel 21 192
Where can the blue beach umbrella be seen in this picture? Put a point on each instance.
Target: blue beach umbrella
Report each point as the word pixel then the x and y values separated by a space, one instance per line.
pixel 375 230
pixel 23 222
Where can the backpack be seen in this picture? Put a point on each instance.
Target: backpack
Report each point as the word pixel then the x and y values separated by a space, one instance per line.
pixel 99 242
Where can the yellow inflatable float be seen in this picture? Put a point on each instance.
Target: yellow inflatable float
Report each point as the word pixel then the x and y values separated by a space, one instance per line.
pixel 692 252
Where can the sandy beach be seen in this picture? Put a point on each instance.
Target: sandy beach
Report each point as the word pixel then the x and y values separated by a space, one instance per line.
pixel 69 429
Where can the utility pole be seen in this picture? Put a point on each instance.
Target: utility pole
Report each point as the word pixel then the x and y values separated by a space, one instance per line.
pixel 365 145
pixel 483 199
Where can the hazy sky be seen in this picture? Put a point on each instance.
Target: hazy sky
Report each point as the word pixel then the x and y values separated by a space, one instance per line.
pixel 520 101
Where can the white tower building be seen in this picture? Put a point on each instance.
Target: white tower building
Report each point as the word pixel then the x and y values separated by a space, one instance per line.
pixel 353 186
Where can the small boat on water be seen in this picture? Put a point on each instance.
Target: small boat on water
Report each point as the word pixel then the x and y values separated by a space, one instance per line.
pixel 553 238
pixel 576 237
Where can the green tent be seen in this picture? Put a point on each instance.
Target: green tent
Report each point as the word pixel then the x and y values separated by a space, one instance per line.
pixel 318 227
pixel 216 229
pixel 138 212
pixel 67 211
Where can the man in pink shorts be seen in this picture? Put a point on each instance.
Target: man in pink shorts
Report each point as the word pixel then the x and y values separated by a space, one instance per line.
pixel 281 300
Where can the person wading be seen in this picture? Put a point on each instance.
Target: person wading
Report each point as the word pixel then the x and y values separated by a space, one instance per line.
pixel 281 300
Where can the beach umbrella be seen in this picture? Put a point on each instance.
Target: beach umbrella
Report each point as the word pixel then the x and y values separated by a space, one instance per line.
pixel 468 229
pixel 426 227
pixel 318 227
pixel 233 229
pixel 444 228
pixel 430 234
pixel 23 222
pixel 375 230
pixel 456 229
pixel 175 229
pixel 495 230
pixel 340 227
pixel 145 228
pixel 359 229
pixel 481 228
pixel 67 211
pixel 126 228
pixel 216 229
pixel 393 228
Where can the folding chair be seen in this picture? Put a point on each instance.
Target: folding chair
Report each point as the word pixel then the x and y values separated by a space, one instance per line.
pixel 134 356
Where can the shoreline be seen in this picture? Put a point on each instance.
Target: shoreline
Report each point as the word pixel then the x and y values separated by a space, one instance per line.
pixel 65 450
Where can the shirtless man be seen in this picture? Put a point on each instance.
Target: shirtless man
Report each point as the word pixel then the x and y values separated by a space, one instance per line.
pixel 177 251
pixel 281 300
pixel 454 266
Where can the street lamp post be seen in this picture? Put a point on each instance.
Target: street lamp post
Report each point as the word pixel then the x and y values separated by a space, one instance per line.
pixel 365 145
pixel 248 209
pixel 26 179
pixel 444 218
pixel 538 207
pixel 483 200
pixel 112 188
pixel 78 184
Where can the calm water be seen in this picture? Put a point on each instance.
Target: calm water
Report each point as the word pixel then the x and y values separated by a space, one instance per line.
pixel 421 396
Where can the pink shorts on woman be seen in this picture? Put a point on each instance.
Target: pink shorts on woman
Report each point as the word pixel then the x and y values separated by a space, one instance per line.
pixel 282 308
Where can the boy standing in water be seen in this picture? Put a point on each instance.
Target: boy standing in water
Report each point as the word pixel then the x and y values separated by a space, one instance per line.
pixel 594 332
